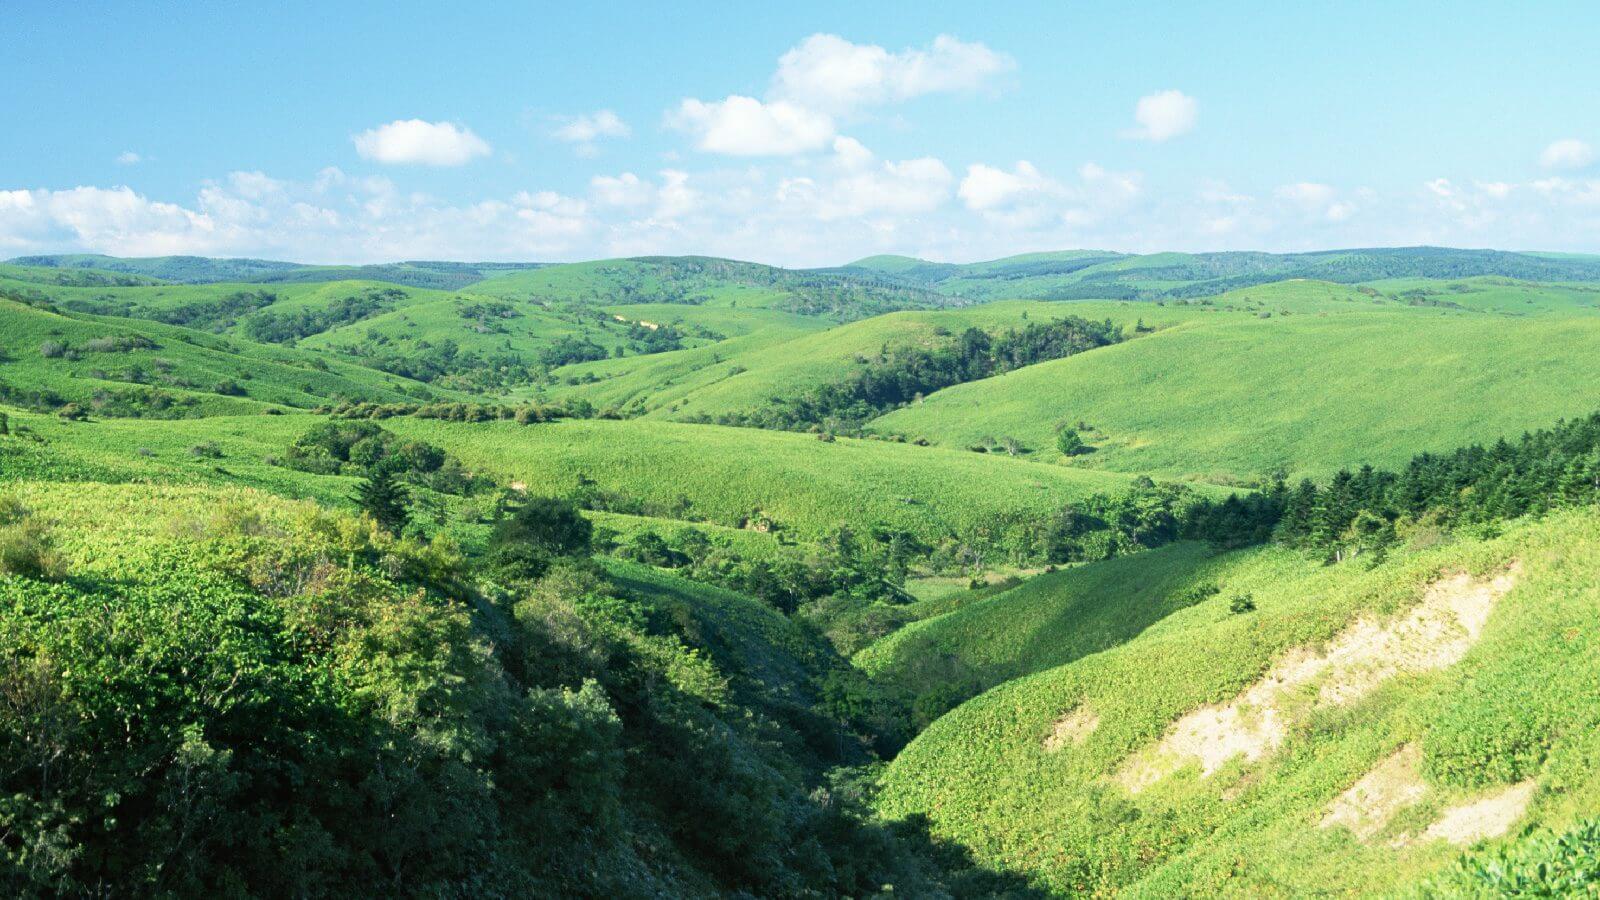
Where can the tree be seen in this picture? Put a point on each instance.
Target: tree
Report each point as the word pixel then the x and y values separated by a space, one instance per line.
pixel 383 498
pixel 535 533
pixel 1069 442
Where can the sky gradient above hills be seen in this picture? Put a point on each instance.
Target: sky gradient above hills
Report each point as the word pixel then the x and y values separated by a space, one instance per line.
pixel 799 136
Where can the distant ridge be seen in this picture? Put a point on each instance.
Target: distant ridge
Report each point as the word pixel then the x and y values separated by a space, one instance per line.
pixel 208 270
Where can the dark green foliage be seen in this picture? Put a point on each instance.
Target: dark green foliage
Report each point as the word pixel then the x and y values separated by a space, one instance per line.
pixel 381 496
pixel 1069 442
pixel 1242 603
pixel 537 532
pixel 286 327
pixel 213 315
pixel 1564 865
pixel 1355 513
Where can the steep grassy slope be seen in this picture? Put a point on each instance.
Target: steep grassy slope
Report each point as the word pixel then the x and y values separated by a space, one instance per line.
pixel 1046 621
pixel 1226 397
pixel 1089 776
pixel 93 360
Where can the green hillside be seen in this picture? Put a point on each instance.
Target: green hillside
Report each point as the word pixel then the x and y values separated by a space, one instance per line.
pixel 133 367
pixel 1079 776
pixel 204 270
pixel 700 280
pixel 692 577
pixel 788 356
pixel 1081 274
pixel 1227 398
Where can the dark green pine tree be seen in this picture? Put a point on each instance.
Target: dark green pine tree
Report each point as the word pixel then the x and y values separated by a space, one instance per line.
pixel 383 498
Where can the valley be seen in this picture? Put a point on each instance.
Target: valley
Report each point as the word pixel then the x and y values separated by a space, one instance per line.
pixel 1069 573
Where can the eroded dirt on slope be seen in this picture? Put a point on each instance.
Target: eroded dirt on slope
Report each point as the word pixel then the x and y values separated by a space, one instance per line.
pixel 1491 815
pixel 1367 806
pixel 1072 728
pixel 1434 634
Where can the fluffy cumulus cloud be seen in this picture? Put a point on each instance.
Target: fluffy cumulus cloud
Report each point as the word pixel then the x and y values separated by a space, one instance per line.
pixel 587 130
pixel 1164 115
pixel 414 141
pixel 853 182
pixel 987 188
pixel 745 126
pixel 827 72
pixel 331 218
pixel 825 78
pixel 1568 153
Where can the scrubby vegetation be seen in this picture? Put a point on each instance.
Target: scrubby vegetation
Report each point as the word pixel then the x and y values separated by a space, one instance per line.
pixel 516 581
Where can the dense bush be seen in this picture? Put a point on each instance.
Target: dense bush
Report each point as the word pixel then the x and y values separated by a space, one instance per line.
pixel 288 703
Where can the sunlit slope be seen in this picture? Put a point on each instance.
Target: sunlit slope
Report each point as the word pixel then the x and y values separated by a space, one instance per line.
pixel 727 475
pixel 743 374
pixel 1361 725
pixel 1046 621
pixel 721 476
pixel 1304 393
pixel 83 358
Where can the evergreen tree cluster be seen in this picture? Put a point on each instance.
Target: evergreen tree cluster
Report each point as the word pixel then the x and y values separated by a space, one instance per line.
pixel 1543 470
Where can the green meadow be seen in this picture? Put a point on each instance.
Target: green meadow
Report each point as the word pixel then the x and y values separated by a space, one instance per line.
pixel 1299 394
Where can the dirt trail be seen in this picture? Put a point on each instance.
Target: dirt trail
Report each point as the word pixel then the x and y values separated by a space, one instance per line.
pixel 1436 633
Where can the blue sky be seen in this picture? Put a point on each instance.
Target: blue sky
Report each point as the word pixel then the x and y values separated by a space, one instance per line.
pixel 806 135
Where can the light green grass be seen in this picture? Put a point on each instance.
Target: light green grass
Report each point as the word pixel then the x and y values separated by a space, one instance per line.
pixel 1524 703
pixel 1229 397
pixel 808 486
pixel 786 357
pixel 184 363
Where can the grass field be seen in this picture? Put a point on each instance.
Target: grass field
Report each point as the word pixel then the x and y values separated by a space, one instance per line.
pixel 1226 397
pixel 727 474
pixel 1033 775
pixel 212 374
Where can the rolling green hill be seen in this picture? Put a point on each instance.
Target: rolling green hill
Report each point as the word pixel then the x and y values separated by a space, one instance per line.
pixel 1359 771
pixel 293 552
pixel 788 356
pixel 132 367
pixel 699 280
pixel 1231 397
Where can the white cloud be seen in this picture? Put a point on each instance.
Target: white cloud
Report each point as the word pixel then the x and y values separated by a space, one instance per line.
pixel 1317 200
pixel 584 131
pixel 422 143
pixel 626 189
pixel 745 126
pixel 129 158
pixel 825 77
pixel 854 183
pixel 988 188
pixel 1568 153
pixel 826 72
pixel 1164 115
